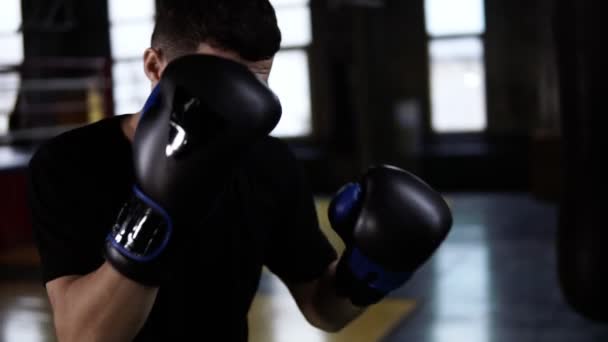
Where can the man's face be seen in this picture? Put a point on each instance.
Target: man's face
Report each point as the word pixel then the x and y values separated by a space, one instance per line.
pixel 155 63
pixel 260 68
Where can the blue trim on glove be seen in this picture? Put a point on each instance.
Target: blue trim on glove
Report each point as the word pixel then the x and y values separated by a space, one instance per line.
pixel 376 276
pixel 152 99
pixel 345 202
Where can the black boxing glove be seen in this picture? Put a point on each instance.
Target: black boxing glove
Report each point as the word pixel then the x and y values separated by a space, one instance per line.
pixel 196 124
pixel 391 223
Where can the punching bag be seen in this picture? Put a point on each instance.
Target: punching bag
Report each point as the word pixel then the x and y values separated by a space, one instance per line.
pixel 582 241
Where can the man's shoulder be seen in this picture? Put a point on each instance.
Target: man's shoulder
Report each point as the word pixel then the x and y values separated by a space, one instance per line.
pixel 96 133
pixel 76 144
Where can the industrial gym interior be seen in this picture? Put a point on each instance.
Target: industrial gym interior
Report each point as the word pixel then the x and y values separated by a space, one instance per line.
pixel 494 103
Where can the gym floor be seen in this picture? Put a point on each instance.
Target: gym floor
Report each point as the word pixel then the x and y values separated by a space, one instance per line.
pixel 493 280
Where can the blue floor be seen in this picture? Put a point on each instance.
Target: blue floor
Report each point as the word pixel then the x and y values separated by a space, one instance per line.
pixel 495 279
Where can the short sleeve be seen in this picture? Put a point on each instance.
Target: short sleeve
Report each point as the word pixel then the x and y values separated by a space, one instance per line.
pixel 61 238
pixel 298 251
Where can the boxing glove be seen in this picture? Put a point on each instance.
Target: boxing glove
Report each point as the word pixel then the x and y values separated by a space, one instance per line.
pixel 391 223
pixel 194 127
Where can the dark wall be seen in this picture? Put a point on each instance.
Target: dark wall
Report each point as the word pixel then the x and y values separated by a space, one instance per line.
pixel 582 235
pixel 68 28
pixel 367 63
pixel 370 68
pixel 521 65
pixel 64 40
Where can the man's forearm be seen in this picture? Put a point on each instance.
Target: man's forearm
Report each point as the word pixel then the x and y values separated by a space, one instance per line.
pixel 102 306
pixel 334 312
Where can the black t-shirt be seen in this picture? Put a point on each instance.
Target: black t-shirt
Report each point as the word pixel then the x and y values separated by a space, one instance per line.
pixel 79 180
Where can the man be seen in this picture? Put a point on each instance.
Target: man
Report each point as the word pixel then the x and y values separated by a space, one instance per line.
pixel 82 181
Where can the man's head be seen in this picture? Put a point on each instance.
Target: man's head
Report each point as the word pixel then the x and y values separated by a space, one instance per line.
pixel 245 31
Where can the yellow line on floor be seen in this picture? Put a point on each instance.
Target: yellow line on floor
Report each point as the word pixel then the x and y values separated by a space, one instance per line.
pixel 276 318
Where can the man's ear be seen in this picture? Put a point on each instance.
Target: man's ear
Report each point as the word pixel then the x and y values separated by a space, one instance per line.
pixel 154 63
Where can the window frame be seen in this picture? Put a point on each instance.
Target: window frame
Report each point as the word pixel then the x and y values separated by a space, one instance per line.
pixel 307 50
pixel 11 67
pixel 456 135
pixel 116 60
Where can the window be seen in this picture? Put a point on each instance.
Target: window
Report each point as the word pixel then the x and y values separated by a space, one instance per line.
pixel 131 26
pixel 11 41
pixel 290 74
pixel 455 29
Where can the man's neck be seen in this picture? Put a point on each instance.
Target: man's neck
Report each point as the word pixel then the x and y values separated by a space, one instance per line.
pixel 129 124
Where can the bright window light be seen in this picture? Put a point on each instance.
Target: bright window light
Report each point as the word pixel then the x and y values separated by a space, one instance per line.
pixel 289 79
pixel 451 17
pixel 122 11
pixel 457 85
pixel 131 87
pixel 290 74
pixel 285 3
pixel 131 40
pixel 132 23
pixel 10 16
pixel 12 48
pixel 295 25
pixel 457 68
pixel 11 41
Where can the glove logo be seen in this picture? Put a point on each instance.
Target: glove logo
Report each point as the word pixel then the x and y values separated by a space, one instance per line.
pixel 177 139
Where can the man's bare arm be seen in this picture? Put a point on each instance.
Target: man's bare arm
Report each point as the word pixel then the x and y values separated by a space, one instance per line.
pixel 100 306
pixel 321 306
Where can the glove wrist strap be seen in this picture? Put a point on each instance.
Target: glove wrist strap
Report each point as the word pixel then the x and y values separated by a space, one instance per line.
pixel 364 282
pixel 138 240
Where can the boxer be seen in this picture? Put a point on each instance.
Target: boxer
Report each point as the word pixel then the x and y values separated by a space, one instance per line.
pixel 156 225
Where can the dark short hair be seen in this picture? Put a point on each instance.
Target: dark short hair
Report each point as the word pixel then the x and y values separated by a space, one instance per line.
pixel 247 27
